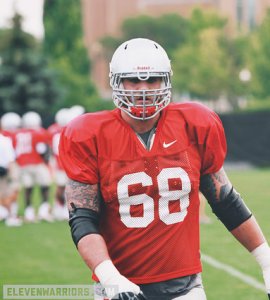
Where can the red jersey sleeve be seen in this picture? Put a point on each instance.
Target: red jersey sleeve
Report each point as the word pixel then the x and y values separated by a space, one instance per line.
pixel 206 130
pixel 212 142
pixel 214 150
pixel 78 152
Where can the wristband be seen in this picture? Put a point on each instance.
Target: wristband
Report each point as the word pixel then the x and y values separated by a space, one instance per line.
pixel 112 281
pixel 106 271
pixel 262 255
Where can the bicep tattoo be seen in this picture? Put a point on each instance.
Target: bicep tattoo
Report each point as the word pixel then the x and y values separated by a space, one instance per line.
pixel 215 186
pixel 82 195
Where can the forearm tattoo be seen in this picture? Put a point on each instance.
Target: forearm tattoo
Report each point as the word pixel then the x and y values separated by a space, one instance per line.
pixel 216 186
pixel 82 195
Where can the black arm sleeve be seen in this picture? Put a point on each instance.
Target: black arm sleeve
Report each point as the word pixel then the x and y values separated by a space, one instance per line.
pixel 83 221
pixel 231 210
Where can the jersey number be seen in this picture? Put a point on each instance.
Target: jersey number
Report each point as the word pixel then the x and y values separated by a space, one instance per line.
pixel 166 195
pixel 23 143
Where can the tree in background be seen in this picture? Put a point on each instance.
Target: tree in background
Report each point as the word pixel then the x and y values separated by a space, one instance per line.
pixel 202 68
pixel 201 20
pixel 207 67
pixel 259 59
pixel 202 62
pixel 206 59
pixel 64 46
pixel 169 30
pixel 236 51
pixel 26 82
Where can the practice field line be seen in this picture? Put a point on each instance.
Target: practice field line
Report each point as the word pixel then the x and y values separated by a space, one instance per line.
pixel 232 271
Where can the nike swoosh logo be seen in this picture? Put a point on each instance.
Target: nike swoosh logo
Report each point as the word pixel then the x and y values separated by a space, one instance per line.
pixel 169 144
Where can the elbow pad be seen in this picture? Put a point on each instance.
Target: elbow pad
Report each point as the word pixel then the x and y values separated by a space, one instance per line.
pixel 83 221
pixel 231 210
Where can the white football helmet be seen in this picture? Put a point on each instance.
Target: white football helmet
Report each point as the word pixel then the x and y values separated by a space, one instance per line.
pixel 63 116
pixel 10 121
pixel 142 59
pixel 77 110
pixel 31 120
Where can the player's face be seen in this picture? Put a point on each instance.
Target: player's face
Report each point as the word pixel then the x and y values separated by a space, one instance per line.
pixel 141 98
pixel 135 84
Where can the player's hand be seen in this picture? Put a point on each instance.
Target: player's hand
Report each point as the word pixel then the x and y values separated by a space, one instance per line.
pixel 130 296
pixel 121 285
pixel 113 282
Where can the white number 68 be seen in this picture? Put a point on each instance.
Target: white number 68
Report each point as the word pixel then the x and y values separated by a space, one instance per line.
pixel 126 201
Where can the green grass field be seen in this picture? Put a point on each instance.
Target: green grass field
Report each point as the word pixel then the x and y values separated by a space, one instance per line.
pixel 44 253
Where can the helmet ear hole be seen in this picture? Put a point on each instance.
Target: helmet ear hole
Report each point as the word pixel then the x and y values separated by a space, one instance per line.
pixel 142 59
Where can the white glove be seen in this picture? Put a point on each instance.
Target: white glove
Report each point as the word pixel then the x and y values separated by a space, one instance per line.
pixel 112 281
pixel 262 256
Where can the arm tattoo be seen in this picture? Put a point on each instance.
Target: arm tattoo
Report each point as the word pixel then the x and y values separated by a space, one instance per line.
pixel 216 186
pixel 82 195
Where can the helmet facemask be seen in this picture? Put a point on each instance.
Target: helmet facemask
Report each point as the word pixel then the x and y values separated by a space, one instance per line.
pixel 137 57
pixel 141 104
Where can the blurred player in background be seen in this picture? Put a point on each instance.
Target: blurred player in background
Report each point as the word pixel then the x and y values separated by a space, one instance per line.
pixel 76 110
pixel 7 157
pixel 10 124
pixel 62 117
pixel 7 192
pixel 32 150
pixel 134 180
pixel 59 211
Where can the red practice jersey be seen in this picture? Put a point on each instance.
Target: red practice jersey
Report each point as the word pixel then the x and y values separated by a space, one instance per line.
pixel 25 144
pixel 10 134
pixel 150 218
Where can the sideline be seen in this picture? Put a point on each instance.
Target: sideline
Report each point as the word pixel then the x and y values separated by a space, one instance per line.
pixel 234 272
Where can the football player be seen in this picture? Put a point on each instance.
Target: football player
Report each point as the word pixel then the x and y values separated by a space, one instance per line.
pixel 32 150
pixel 7 192
pixel 10 124
pixel 62 117
pixel 134 180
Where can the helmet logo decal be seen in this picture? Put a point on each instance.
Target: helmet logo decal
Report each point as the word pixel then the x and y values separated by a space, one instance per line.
pixel 142 68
